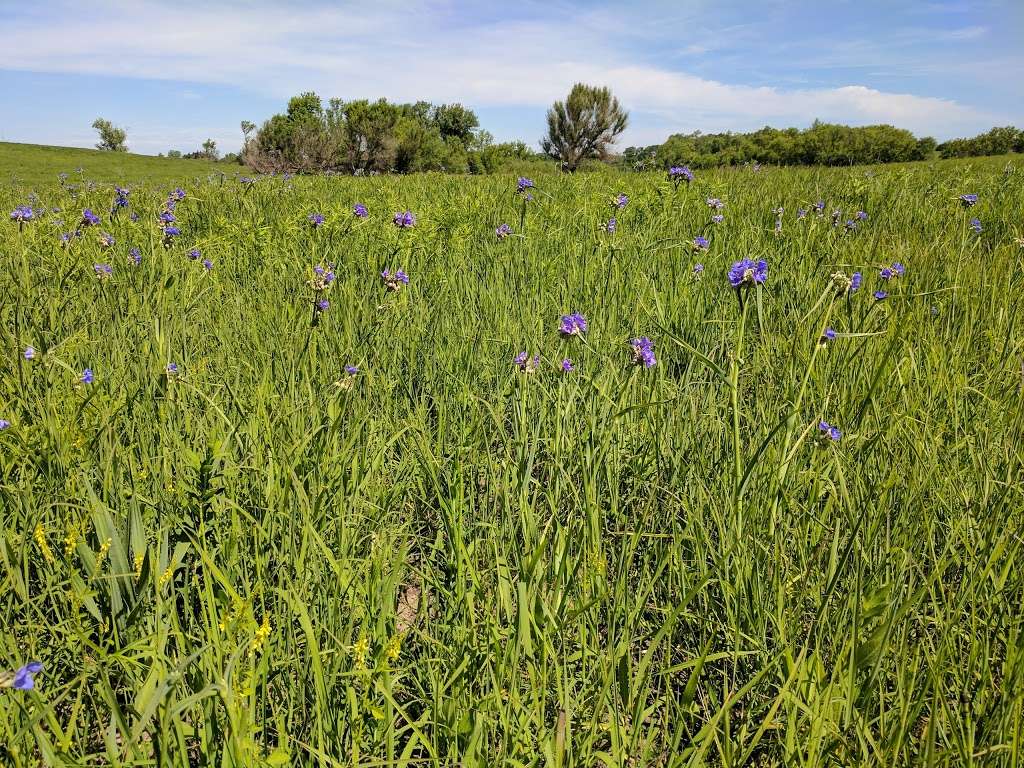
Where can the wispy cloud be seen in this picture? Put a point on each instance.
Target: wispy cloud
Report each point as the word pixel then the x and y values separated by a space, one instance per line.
pixel 440 51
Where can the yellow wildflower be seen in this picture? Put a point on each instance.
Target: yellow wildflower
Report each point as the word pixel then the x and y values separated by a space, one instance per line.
pixel 44 546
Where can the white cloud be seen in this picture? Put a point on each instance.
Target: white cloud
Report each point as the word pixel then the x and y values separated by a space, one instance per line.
pixel 429 50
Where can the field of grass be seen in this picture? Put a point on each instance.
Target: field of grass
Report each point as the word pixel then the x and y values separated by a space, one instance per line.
pixel 34 166
pixel 258 557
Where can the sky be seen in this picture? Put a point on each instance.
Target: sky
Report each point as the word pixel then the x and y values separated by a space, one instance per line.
pixel 174 74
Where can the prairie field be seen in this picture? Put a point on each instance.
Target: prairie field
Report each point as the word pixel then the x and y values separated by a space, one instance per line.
pixel 264 506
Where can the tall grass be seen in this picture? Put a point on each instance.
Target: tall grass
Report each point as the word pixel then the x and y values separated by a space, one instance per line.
pixel 441 560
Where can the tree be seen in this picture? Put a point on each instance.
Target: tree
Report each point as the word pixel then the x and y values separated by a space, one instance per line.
pixel 455 121
pixel 210 149
pixel 174 153
pixel 112 139
pixel 585 125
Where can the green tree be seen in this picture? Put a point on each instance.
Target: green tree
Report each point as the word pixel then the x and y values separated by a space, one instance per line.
pixel 584 126
pixel 455 121
pixel 112 138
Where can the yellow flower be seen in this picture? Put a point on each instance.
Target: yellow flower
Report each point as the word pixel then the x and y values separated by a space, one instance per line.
pixel 102 555
pixel 139 559
pixel 44 546
pixel 167 575
pixel 359 651
pixel 70 542
pixel 261 635
pixel 394 648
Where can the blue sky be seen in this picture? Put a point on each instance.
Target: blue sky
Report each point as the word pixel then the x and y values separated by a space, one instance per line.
pixel 176 73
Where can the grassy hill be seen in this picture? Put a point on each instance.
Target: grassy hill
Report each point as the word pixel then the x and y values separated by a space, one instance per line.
pixel 32 165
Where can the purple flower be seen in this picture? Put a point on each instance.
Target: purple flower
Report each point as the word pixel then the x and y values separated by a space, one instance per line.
pixel 749 272
pixel 567 366
pixel 405 220
pixel 801 213
pixel 620 201
pixel 66 237
pixel 700 243
pixel 819 207
pixel 827 430
pixel 680 173
pixel 165 218
pixel 133 216
pixel 880 294
pixel 503 231
pixel 135 255
pixel 86 377
pixel 322 305
pixel 976 225
pixel 22 214
pixel 194 254
pixel 525 363
pixel 573 325
pixel 359 211
pixel 351 370
pixel 24 678
pixel 828 335
pixel 395 281
pixel 855 280
pixel 610 226
pixel 207 265
pixel 171 369
pixel 899 269
pixel 861 216
pixel 718 218
pixel 698 270
pixel 102 271
pixel 89 219
pixel 523 184
pixel 643 352
pixel 850 225
pixel 715 204
pixel 968 200
pixel 30 353
pixel 106 240
pixel 316 220
pixel 4 424
pixel 886 273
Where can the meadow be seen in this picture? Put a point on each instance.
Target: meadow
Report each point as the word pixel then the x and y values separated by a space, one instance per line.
pixel 244 528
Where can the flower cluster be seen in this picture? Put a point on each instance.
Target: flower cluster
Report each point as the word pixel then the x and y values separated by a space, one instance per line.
pixel 89 219
pixel 620 201
pixel 135 255
pixel 677 174
pixel 316 220
pixel 359 211
pixel 967 201
pixel 405 220
pixel 572 325
pixel 829 432
pixel 643 352
pixel 700 244
pixel 106 240
pixel 846 284
pixel 610 226
pixel 103 271
pixel 715 204
pixel 523 184
pixel 527 364
pixel 120 199
pixel 503 231
pixel 394 281
pixel 895 270
pixel 21 214
pixel 976 225
pixel 748 272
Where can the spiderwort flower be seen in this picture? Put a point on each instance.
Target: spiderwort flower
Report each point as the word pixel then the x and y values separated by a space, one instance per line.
pixel 30 352
pixel 523 184
pixel 24 678
pixel 572 325
pixel 194 254
pixel 351 370
pixel 89 219
pixel 503 231
pixel 67 237
pixel 976 225
pixel 715 204
pixel 700 244
pixel 850 225
pixel 169 234
pixel 103 271
pixel 886 273
pixel 165 218
pixel 861 216
pixel 855 280
pixel 171 369
pixel 748 272
pixel 525 363
pixel 87 376
pixel 22 213
pixel 698 271
pixel 643 352
pixel 4 424
pixel 207 265
pixel 106 240
pixel 135 255
pixel 610 226
pixel 394 282
pixel 828 431
pixel 178 194
pixel 968 200
pixel 405 220
pixel 620 201
pixel 880 294
pixel 678 174
pixel 718 218
pixel 359 211
pixel 827 336
pixel 819 207
pixel 567 366
pixel 316 220
pixel 322 305
pixel 899 269
pixel 801 213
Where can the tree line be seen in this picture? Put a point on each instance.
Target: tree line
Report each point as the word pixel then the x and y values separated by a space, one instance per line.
pixel 367 137
pixel 820 144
